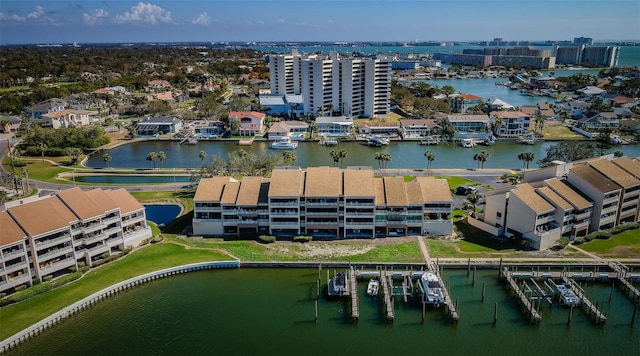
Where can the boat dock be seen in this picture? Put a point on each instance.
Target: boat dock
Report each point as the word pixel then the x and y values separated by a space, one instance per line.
pixel 622 271
pixel 386 295
pixel 522 297
pixel 452 311
pixel 246 141
pixel 599 317
pixel 353 291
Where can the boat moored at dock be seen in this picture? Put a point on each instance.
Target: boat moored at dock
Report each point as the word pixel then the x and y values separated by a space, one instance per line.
pixel 433 293
pixel 284 144
pixel 373 287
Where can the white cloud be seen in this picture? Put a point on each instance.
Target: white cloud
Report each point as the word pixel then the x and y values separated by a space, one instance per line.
pixel 202 19
pixel 330 21
pixel 37 13
pixel 95 16
pixel 144 13
pixel 13 17
pixel 280 20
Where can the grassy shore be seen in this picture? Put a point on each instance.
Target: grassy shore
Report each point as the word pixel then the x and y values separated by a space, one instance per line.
pixel 625 244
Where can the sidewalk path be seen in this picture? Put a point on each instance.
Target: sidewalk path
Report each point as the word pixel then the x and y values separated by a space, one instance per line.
pixel 585 252
pixel 423 248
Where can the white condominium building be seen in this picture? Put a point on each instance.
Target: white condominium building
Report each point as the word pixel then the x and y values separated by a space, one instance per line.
pixel 358 87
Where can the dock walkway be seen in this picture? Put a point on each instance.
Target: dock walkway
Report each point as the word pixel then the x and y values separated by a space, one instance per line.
pixel 621 271
pixel 386 295
pixel 592 309
pixel 451 307
pixel 353 289
pixel 533 313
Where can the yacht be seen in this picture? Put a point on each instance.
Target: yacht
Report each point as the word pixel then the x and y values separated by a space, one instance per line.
pixel 284 143
pixel 378 141
pixel 329 141
pixel 527 139
pixel 467 143
pixel 432 289
pixel 373 287
pixel 338 284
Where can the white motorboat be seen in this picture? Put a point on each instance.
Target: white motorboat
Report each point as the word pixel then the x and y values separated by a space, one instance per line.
pixel 284 143
pixel 378 141
pixel 527 139
pixel 567 296
pixel 489 140
pixel 373 287
pixel 433 293
pixel 338 285
pixel 467 143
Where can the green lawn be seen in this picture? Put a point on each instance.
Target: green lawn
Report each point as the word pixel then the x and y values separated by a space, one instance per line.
pixel 559 132
pixel 625 244
pixel 16 317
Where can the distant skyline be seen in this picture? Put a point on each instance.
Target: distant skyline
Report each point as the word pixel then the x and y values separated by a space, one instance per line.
pixel 124 21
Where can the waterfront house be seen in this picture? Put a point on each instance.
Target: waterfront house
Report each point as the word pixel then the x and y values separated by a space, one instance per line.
pixel 324 202
pixel 469 123
pixel 37 110
pixel 513 123
pixel 279 130
pixel 80 226
pixel 577 108
pixel 251 122
pixel 576 221
pixel 459 103
pixel 598 121
pixel 336 126
pixel 207 128
pixel 376 128
pixel 151 126
pixel 419 128
pixel 65 118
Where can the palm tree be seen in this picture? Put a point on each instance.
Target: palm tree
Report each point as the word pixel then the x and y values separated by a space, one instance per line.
pixel 386 158
pixel 430 158
pixel 151 157
pixel 320 111
pixel 289 157
pixel 162 156
pixel 497 124
pixel 42 146
pixel 539 123
pixel 378 157
pixel 342 154
pixel 330 109
pixel 526 157
pixel 202 155
pixel 335 155
pixel 107 158
pixel 481 158
pixel 474 198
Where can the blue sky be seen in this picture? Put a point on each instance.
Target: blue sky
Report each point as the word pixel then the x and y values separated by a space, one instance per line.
pixel 95 21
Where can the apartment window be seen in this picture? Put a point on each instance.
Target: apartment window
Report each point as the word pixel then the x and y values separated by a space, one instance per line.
pixel 498 215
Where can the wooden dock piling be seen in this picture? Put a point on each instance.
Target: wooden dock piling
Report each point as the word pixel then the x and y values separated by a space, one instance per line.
pixel 528 305
pixel 495 314
pixel 483 290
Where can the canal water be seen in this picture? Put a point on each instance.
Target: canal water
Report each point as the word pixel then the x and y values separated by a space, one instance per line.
pixel 271 311
pixel 404 155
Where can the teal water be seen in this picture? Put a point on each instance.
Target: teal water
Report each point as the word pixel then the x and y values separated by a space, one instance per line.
pixel 162 213
pixel 629 56
pixel 271 311
pixel 409 154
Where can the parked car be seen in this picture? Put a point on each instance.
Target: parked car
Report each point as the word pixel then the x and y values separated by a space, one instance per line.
pixel 464 190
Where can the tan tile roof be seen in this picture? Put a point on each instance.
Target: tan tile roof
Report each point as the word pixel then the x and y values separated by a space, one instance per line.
pixel 630 165
pixel 286 183
pixel 249 191
pixel 528 195
pixel 65 112
pixel 80 203
pixel 42 216
pixel 615 173
pixel 379 188
pixel 414 193
pixel 554 198
pixel 358 183
pixel 509 114
pixel 323 182
pixel 568 193
pixel 230 193
pixel 125 200
pixel 394 191
pixel 595 178
pixel 435 189
pixel 10 232
pixel 210 189
pixel 103 200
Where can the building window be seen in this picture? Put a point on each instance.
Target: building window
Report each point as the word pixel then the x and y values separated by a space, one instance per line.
pixel 498 215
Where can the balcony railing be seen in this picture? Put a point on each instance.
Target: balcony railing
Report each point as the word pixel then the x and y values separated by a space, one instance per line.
pixel 56 252
pixel 52 242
